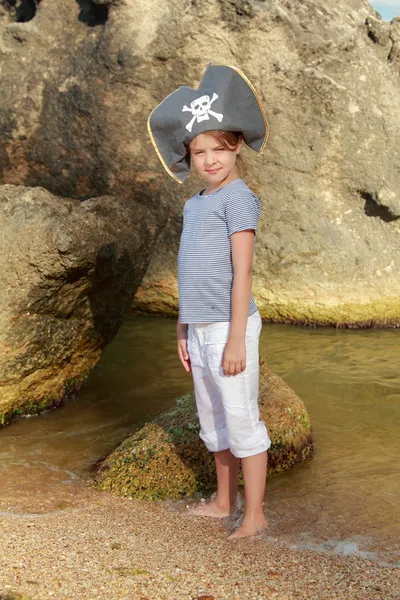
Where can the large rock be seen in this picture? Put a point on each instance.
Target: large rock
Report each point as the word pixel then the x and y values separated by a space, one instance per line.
pixel 328 250
pixel 77 87
pixel 69 271
pixel 78 80
pixel 167 459
pixel 75 94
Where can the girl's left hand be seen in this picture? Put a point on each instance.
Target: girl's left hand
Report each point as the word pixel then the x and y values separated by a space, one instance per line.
pixel 234 357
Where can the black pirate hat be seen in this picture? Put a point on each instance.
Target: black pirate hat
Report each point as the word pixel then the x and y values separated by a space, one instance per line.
pixel 225 100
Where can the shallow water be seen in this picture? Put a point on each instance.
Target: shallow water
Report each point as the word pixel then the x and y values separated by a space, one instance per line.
pixel 345 498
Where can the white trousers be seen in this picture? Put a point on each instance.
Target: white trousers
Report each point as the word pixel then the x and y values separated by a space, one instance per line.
pixel 227 405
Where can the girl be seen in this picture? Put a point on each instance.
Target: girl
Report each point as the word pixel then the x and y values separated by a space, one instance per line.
pixel 219 324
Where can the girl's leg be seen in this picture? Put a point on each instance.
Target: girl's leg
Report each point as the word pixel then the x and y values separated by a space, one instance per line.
pixel 227 467
pixel 212 416
pixel 254 474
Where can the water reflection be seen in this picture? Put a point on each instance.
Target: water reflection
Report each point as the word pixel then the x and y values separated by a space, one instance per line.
pixel 345 498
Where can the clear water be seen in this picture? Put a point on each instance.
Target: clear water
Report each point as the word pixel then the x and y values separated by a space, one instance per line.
pixel 346 498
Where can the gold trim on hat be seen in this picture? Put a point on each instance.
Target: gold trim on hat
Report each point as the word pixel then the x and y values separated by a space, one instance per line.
pixel 260 104
pixel 153 141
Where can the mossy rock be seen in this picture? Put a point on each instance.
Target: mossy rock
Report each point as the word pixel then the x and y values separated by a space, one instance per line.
pixel 25 407
pixel 167 459
pixel 13 596
pixel 287 420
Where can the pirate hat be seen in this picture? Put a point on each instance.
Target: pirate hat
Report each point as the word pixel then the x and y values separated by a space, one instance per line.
pixel 225 100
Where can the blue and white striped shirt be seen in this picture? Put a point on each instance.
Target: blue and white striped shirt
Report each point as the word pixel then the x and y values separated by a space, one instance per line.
pixel 205 270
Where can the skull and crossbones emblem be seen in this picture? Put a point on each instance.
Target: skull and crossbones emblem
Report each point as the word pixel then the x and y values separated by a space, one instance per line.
pixel 201 109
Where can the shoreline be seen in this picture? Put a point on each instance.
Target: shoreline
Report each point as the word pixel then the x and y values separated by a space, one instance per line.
pixel 81 543
pixel 376 315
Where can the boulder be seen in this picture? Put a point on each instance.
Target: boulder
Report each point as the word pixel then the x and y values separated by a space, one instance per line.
pixel 167 459
pixel 77 87
pixel 75 95
pixel 328 249
pixel 69 271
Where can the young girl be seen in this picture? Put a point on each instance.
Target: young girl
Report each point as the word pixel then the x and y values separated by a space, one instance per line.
pixel 219 324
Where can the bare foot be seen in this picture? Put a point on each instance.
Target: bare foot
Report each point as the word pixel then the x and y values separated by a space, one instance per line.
pixel 209 509
pixel 249 529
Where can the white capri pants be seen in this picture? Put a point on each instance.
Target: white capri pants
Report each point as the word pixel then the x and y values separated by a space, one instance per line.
pixel 227 405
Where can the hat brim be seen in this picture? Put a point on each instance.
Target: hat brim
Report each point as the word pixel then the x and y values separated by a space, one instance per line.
pixel 162 124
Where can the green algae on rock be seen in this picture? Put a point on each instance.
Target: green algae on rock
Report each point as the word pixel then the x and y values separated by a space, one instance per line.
pixel 287 420
pixel 160 297
pixel 13 596
pixel 26 408
pixel 327 250
pixel 378 313
pixel 167 459
pixel 161 460
pixel 69 271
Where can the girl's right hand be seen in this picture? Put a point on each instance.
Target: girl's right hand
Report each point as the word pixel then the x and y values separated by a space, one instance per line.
pixel 181 333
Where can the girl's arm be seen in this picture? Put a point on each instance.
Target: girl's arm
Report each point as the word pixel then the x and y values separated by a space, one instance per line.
pixel 242 259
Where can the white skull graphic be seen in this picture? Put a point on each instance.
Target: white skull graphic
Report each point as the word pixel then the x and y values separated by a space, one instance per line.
pixel 201 109
pixel 201 106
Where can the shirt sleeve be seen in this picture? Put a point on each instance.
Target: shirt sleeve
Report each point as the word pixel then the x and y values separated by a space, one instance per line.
pixel 242 211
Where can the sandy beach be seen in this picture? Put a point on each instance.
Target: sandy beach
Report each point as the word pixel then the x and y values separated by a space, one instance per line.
pixel 79 543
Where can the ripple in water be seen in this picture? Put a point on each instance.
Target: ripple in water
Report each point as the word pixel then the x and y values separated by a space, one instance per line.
pixel 345 499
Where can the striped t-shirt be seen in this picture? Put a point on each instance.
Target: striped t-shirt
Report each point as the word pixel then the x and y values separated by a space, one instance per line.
pixel 205 270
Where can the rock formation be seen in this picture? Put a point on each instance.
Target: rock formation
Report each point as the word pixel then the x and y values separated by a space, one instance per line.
pixel 69 271
pixel 328 250
pixel 74 102
pixel 78 80
pixel 77 232
pixel 167 459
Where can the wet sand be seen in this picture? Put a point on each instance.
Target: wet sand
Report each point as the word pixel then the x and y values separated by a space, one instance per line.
pixel 79 543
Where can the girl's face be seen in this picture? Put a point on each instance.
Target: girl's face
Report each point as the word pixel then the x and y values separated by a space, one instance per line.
pixel 212 161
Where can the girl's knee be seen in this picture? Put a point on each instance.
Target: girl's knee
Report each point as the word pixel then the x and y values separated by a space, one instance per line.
pixel 243 443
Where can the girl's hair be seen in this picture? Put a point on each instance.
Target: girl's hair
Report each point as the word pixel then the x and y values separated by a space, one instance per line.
pixel 230 141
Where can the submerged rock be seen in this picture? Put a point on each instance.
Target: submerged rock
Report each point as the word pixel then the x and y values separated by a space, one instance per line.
pixel 167 459
pixel 69 271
